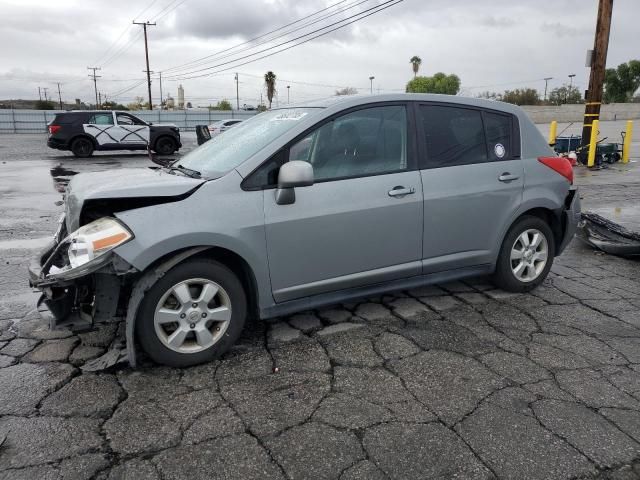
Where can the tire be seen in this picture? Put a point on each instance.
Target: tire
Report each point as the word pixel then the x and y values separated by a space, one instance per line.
pixel 173 332
pixel 82 147
pixel 165 146
pixel 510 275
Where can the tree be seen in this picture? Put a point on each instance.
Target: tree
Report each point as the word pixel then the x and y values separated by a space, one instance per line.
pixel 137 104
pixel 346 91
pixel 261 108
pixel 222 105
pixel 439 83
pixel 270 84
pixel 415 64
pixel 565 94
pixel 620 84
pixel 521 96
pixel 44 105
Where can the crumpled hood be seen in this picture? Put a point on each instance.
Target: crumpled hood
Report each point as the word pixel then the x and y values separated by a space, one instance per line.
pixel 132 183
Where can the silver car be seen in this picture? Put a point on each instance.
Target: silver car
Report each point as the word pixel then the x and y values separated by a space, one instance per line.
pixel 221 126
pixel 307 206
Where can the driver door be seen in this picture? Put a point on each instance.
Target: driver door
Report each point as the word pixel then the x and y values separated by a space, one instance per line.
pixel 130 130
pixel 361 222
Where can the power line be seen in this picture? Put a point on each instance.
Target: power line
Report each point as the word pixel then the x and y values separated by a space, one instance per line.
pixel 251 40
pixel 373 11
pixel 115 42
pixel 122 49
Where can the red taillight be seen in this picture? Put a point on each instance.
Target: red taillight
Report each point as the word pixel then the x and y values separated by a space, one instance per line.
pixel 561 165
pixel 54 128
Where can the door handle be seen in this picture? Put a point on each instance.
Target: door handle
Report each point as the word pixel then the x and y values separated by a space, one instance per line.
pixel 507 177
pixel 401 191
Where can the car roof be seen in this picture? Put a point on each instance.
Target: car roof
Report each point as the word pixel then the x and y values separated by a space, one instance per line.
pixel 346 101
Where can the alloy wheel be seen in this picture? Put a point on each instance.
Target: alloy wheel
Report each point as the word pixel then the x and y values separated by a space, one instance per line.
pixel 192 315
pixel 529 255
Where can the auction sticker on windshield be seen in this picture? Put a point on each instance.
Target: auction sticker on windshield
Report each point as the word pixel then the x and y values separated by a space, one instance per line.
pixel 289 116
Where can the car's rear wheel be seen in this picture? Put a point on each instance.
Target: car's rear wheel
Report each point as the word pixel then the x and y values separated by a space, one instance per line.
pixel 82 147
pixel 165 146
pixel 526 255
pixel 193 314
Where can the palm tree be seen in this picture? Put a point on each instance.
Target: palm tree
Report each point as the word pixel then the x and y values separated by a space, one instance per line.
pixel 415 64
pixel 270 83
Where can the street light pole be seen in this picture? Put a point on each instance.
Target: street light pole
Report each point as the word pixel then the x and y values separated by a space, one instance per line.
pixel 288 88
pixel 546 82
pixel 371 80
pixel 571 75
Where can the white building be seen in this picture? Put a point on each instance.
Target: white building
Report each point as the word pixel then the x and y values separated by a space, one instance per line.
pixel 180 97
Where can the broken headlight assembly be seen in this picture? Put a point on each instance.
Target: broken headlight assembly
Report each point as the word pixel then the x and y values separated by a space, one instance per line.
pixel 87 248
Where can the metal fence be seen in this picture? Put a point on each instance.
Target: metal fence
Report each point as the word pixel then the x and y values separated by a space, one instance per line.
pixel 36 121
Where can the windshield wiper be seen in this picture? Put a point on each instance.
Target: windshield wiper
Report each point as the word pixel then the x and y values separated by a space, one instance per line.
pixel 187 171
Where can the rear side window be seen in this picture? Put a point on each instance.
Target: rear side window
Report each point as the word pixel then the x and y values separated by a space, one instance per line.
pixel 499 130
pixel 101 119
pixel 453 136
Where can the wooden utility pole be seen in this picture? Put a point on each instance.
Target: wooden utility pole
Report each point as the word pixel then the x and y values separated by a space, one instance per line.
pixel 146 53
pixel 593 97
pixel 160 77
pixel 59 95
pixel 237 93
pixel 95 83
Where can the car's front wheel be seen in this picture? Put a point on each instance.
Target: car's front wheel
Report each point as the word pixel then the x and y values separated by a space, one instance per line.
pixel 526 255
pixel 193 314
pixel 165 146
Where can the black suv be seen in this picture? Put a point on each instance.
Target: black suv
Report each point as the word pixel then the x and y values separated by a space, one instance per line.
pixel 82 132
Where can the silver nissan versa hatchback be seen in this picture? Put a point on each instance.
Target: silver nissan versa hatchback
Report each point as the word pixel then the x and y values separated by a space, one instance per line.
pixel 307 206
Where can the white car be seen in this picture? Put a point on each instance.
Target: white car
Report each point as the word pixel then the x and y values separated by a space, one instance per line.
pixel 220 126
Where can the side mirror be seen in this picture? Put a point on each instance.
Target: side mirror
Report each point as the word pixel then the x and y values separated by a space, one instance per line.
pixel 292 174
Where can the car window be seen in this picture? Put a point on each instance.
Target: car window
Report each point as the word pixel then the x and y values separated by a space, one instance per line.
pixel 453 135
pixel 101 119
pixel 498 129
pixel 125 119
pixel 365 142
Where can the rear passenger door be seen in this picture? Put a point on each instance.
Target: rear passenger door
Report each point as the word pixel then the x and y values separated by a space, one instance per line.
pixel 472 179
pixel 101 127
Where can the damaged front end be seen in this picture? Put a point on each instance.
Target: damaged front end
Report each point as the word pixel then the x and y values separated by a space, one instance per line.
pixel 80 276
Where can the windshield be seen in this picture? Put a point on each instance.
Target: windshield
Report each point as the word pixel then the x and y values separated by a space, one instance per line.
pixel 228 150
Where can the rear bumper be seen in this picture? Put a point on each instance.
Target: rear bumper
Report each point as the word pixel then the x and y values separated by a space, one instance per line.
pixel 57 143
pixel 570 218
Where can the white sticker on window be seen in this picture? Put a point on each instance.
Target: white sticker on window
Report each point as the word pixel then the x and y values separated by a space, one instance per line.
pixel 499 150
pixel 289 116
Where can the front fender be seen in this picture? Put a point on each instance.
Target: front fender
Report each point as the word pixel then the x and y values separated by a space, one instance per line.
pixel 143 284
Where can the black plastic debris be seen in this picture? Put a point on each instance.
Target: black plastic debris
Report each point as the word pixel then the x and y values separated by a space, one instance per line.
pixel 202 134
pixel 614 230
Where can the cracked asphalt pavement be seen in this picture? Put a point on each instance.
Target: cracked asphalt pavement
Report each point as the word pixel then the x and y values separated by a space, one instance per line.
pixel 451 381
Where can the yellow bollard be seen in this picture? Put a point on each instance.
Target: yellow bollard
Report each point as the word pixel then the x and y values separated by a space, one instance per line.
pixel 593 143
pixel 626 146
pixel 553 128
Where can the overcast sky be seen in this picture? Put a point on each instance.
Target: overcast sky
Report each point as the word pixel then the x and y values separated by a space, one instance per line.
pixel 490 44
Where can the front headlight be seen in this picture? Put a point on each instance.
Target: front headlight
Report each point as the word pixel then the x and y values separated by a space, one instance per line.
pixel 95 239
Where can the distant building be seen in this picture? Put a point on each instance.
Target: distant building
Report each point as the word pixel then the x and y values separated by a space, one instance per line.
pixel 170 103
pixel 180 97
